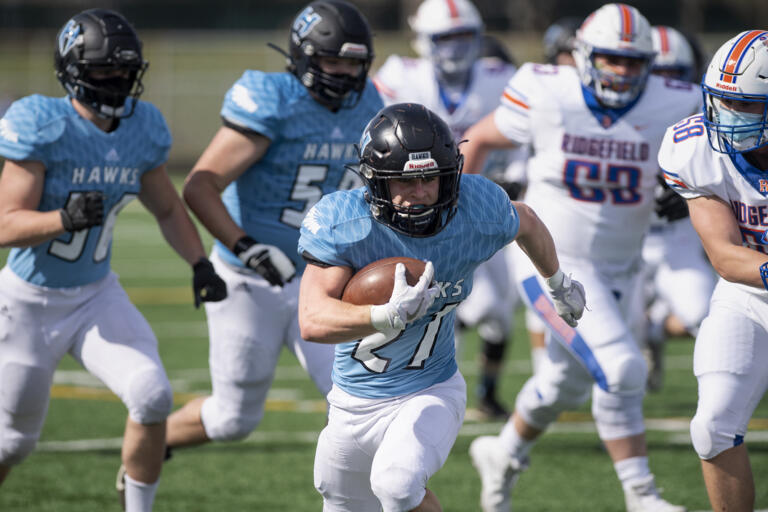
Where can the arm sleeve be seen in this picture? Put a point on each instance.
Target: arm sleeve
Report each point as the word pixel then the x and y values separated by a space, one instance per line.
pixel 254 102
pixel 683 162
pixel 24 133
pixel 316 236
pixel 513 115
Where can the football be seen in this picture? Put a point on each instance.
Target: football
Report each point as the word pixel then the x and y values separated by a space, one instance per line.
pixel 373 283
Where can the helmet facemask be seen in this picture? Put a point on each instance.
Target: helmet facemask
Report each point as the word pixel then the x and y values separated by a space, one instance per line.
pixel 415 220
pixel 613 90
pixel 453 54
pixel 735 90
pixel 735 130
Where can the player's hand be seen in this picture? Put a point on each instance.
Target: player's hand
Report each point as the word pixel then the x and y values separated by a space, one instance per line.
pixel 669 204
pixel 407 303
pixel 266 260
pixel 206 283
pixel 568 296
pixel 83 210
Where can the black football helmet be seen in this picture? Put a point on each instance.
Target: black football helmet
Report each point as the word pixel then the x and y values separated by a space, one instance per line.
pixel 100 40
pixel 560 37
pixel 330 28
pixel 403 141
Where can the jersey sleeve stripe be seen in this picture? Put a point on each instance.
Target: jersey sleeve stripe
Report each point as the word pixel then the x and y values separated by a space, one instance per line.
pixel 673 180
pixel 383 89
pixel 514 101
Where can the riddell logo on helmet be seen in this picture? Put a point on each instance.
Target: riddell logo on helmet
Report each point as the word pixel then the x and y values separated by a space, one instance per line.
pixel 420 165
pixel 721 85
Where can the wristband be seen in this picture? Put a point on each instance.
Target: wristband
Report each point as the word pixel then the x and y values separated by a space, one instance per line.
pixel 764 274
pixel 243 244
pixel 555 281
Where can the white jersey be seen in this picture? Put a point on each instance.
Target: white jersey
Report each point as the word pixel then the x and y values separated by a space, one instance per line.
pixel 693 169
pixel 404 79
pixel 593 170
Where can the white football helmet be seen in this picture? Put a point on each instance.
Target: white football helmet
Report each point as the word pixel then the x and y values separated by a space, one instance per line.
pixel 438 25
pixel 674 55
pixel 614 29
pixel 736 94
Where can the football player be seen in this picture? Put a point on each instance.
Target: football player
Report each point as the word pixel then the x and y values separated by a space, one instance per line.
pixel 595 130
pixel 398 398
pixel 71 165
pixel 453 80
pixel 717 161
pixel 284 143
pixel 678 280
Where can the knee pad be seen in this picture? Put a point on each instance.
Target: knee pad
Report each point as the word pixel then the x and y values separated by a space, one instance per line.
pixel 398 489
pixel 712 435
pixel 23 403
pixel 540 402
pixel 149 396
pixel 228 422
pixel 627 372
pixel 617 415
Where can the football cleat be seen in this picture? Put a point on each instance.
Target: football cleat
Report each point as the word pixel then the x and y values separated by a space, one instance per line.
pixel 498 470
pixel 643 496
pixel 491 408
pixel 120 485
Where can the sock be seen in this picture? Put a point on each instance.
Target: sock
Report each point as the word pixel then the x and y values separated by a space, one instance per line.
pixel 516 445
pixel 538 355
pixel 631 470
pixel 138 495
pixel 487 387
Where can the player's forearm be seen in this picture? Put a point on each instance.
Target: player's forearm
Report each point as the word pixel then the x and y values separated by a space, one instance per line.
pixel 738 264
pixel 481 139
pixel 204 199
pixel 536 241
pixel 181 234
pixel 333 321
pixel 27 228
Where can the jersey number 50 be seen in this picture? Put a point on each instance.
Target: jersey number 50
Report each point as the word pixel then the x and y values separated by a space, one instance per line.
pixel 586 181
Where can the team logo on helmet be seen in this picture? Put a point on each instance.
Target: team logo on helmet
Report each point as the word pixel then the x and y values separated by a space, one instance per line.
pixel 68 37
pixel 305 22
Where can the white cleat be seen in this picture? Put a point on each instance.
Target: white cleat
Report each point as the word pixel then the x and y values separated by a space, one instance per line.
pixel 498 472
pixel 644 497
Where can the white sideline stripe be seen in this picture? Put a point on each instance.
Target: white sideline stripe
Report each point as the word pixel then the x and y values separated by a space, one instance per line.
pixel 180 378
pixel 678 428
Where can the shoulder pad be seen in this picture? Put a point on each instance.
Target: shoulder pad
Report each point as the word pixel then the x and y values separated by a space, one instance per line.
pixel 29 125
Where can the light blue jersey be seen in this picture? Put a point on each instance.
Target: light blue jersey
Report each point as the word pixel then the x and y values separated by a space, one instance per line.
pixel 309 147
pixel 79 157
pixel 340 231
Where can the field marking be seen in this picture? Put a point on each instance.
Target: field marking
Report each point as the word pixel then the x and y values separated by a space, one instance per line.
pixel 674 426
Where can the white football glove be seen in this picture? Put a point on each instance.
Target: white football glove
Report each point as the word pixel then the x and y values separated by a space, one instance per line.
pixel 266 260
pixel 568 296
pixel 407 303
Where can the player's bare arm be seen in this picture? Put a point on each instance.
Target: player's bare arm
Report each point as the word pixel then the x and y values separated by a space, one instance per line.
pixel 535 240
pixel 227 156
pixel 159 197
pixel 713 220
pixel 323 317
pixel 21 225
pixel 482 137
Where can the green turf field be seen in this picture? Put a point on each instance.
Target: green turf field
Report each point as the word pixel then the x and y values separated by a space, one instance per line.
pixel 78 455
